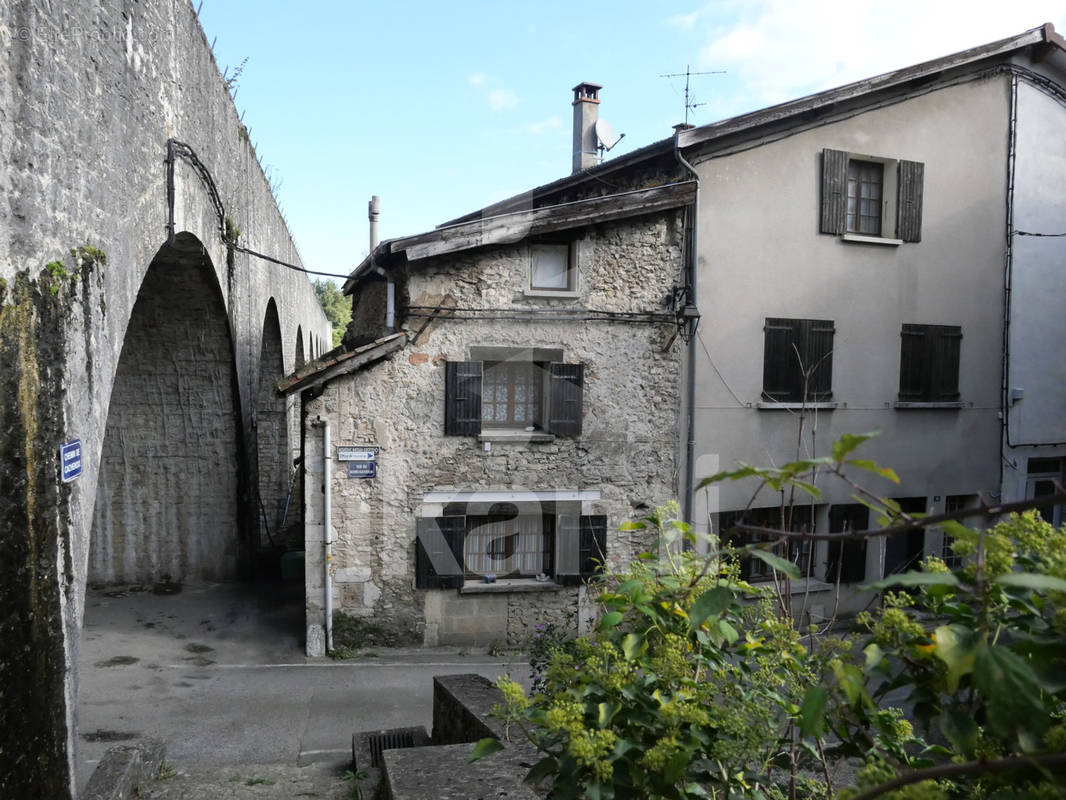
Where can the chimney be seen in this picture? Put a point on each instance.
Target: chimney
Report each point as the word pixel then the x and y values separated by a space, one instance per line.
pixel 373 211
pixel 586 112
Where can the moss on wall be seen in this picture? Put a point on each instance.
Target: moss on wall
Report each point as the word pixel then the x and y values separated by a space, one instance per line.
pixel 35 529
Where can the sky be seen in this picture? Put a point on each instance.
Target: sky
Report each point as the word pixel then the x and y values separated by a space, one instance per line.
pixel 444 108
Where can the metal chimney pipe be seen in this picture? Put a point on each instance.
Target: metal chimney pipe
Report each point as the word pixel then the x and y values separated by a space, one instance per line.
pixel 374 211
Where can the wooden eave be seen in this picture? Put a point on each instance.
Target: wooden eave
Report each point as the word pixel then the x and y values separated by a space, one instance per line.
pixel 511 228
pixel 336 363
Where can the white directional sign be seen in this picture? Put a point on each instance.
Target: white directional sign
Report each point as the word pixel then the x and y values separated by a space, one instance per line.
pixel 357 453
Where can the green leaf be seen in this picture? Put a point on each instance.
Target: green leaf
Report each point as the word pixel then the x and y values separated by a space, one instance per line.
pixel 914 579
pixel 484 747
pixel 728 631
pixel 541 770
pixel 632 646
pixel 629 587
pixel 745 471
pixel 848 442
pixel 630 525
pixel 874 656
pixel 611 620
pixel 812 713
pixel 1011 690
pixel 1034 581
pixel 775 561
pixel 606 713
pixel 871 466
pixel 956 646
pixel 809 488
pixel 709 604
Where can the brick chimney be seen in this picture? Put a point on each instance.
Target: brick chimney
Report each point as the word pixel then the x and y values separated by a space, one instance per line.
pixel 586 112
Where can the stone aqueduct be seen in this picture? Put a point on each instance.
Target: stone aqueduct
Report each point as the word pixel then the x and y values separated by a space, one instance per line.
pixel 135 321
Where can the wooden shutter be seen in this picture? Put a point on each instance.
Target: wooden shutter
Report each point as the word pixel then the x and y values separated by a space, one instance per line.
pixel 779 366
pixel 944 375
pixel 580 547
pixel 909 205
pixel 848 557
pixel 913 362
pixel 818 359
pixel 439 552
pixel 565 396
pixel 462 398
pixel 834 191
pixel 592 545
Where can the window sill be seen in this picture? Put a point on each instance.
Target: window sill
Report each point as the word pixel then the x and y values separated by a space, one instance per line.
pixel 769 405
pixel 509 586
pixel 516 436
pixel 860 238
pixel 948 406
pixel 560 294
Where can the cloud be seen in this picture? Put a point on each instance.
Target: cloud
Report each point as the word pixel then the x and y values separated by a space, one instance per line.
pixel 502 99
pixel 777 50
pixel 685 22
pixel 477 79
pixel 543 126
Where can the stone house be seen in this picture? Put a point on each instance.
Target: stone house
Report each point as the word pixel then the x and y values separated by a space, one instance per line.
pixel 889 255
pixel 507 396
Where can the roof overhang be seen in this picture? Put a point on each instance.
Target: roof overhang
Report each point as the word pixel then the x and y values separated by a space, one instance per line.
pixel 516 226
pixel 334 364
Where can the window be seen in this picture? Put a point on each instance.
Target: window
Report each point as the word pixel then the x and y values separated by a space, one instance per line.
pixel 509 540
pixel 929 363
pixel 904 550
pixel 847 558
pixel 1041 474
pixel 795 550
pixel 553 267
pixel 871 197
pixel 513 389
pixel 865 182
pixel 798 360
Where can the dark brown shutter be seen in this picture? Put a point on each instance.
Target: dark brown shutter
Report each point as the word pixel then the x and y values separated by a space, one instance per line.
pixel 439 552
pixel 909 206
pixel 566 393
pixel 462 398
pixel 592 545
pixel 818 359
pixel 779 365
pixel 913 362
pixel 834 190
pixel 847 558
pixel 944 379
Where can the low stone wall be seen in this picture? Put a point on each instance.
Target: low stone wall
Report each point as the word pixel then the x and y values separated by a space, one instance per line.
pixel 123 770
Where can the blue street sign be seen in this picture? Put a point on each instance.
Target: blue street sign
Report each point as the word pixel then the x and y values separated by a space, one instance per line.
pixel 362 469
pixel 70 458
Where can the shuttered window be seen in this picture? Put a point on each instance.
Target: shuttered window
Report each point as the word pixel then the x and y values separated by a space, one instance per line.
pixel 929 363
pixel 512 395
pixel 450 549
pixel 855 192
pixel 847 558
pixel 797 551
pixel 798 360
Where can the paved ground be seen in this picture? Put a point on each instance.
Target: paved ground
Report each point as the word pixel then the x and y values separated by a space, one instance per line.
pixel 218 672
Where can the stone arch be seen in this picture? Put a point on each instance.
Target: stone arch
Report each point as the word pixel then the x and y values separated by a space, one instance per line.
pixel 271 432
pixel 299 347
pixel 167 493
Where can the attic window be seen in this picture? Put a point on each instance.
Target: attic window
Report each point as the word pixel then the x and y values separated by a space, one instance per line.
pixel 553 267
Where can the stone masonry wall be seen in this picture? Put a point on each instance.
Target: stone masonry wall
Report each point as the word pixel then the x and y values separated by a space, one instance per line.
pixel 89 94
pixel 626 452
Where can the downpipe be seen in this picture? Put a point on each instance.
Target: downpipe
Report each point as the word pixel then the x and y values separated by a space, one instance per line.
pixel 327 524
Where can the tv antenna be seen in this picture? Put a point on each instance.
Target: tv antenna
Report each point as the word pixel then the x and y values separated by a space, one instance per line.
pixel 687 75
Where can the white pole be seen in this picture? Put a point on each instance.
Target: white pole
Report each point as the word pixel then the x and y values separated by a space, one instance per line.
pixel 327 463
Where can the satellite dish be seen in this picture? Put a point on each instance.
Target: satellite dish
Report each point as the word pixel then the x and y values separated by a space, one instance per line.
pixel 605 133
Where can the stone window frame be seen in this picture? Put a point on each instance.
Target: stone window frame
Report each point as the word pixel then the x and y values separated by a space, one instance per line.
pixel 573 252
